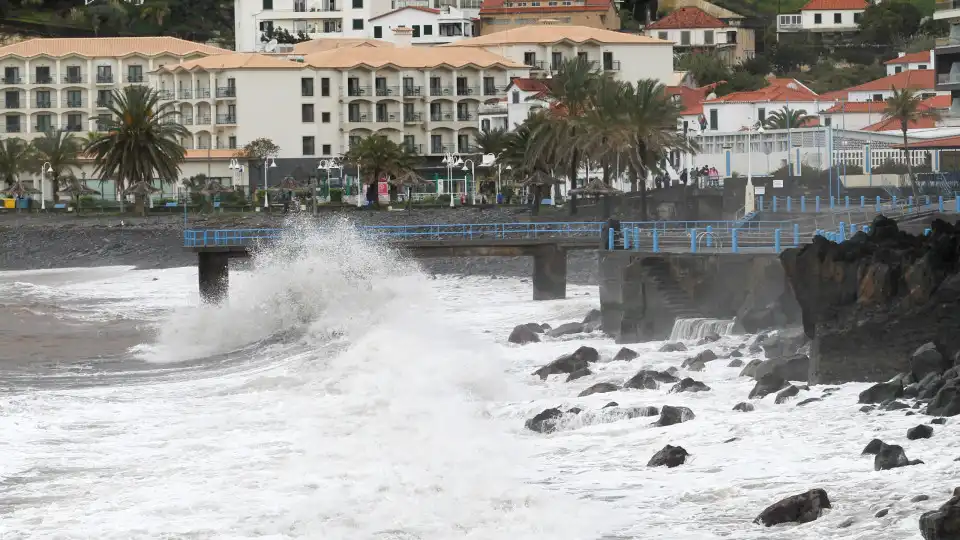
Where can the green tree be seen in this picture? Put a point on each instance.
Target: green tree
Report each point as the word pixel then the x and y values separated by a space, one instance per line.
pixel 142 142
pixel 61 149
pixel 906 107
pixel 15 158
pixel 377 156
pixel 495 142
pixel 885 22
pixel 786 118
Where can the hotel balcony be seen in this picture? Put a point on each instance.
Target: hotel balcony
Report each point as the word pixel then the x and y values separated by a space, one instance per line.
pixel 489 109
pixel 441 91
pixel 226 92
pixel 412 148
pixel 359 91
pixel 74 79
pixel 42 79
pixel 226 119
pixel 12 79
pixel 412 91
pixel 383 91
pixel 468 90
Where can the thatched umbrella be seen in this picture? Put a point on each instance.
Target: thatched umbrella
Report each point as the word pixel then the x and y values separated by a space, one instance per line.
pixel 215 188
pixel 538 179
pixel 77 189
pixel 408 180
pixel 289 183
pixel 598 188
pixel 140 190
pixel 19 189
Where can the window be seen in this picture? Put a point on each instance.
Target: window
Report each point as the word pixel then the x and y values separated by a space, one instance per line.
pixel 232 142
pixel 43 99
pixel 817 18
pixel 306 112
pixel 713 119
pixel 761 115
pixel 103 98
pixel 135 74
pixel 663 36
pixel 485 125
pixel 306 87
pixel 325 86
pixel 267 4
pixel 878 97
pixel 377 32
pixel 104 74
pixel 73 74
pixel 74 98
pixel 684 37
pixel 530 59
pixel 516 97
pixel 428 29
pixel 308 146
pixel 266 26
pixel 922 66
pixel 358 24
pixel 827 121
pixel 357 4
pixel 708 37
pixel 857 17
pixel 897 69
pixel 416 30
pixel 436 144
pixel 74 122
pixel 608 60
pixel 837 18
pixel 326 150
pixel 732 37
pixel 556 60
pixel 325 117
pixel 410 144
pixel 42 75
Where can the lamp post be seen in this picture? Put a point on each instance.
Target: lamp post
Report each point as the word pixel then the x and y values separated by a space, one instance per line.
pixel 473 176
pixel 237 169
pixel 268 163
pixel 451 160
pixel 326 165
pixel 44 169
pixel 749 203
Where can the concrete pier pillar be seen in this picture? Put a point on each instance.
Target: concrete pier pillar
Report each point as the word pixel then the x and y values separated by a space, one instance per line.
pixel 550 273
pixel 214 274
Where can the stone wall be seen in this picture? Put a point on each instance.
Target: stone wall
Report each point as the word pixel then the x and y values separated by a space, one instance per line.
pixel 641 294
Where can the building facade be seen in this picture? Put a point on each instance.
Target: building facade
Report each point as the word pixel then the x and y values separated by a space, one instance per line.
pixel 947 56
pixel 904 62
pixel 500 15
pixel 67 83
pixel 744 110
pixel 825 17
pixel 544 48
pixel 523 98
pixel 429 26
pixel 693 30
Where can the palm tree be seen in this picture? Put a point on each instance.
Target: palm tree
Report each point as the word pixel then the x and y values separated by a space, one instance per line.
pixel 60 149
pixel 906 107
pixel 494 142
pixel 15 157
pixel 142 142
pixel 786 118
pixel 378 155
pixel 602 136
pixel 572 88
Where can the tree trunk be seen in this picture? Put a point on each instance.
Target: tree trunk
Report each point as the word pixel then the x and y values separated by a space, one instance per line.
pixel 906 159
pixel 409 204
pixel 635 182
pixel 574 165
pixel 606 173
pixel 535 209
pixel 141 207
pixel 55 184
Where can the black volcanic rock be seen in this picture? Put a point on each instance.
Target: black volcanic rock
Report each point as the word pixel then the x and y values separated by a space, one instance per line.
pixel 881 392
pixel 625 354
pixel 767 385
pixel 582 372
pixel 689 385
pixel 569 363
pixel 802 508
pixel 943 523
pixel 545 421
pixel 592 321
pixel 947 400
pixel 870 302
pixel 743 406
pixel 873 447
pixel 792 368
pixel 674 415
pixel 523 334
pixel 669 456
pixel 922 431
pixel 673 347
pixel 786 393
pixel 890 456
pixel 735 363
pixel 750 369
pixel 926 360
pixel 599 388
pixel 567 329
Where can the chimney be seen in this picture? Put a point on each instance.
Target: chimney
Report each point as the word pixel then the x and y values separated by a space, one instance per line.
pixel 901 54
pixel 402 36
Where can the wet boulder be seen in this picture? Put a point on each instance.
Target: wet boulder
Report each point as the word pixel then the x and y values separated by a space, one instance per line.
pixel 809 401
pixel 802 508
pixel 947 400
pixel 689 385
pixel 735 363
pixel 928 387
pixel 786 393
pixel 944 522
pixel 625 354
pixel 674 415
pixel 644 380
pixel 709 338
pixel 599 388
pixel 881 392
pixel 767 385
pixel 743 406
pixel 795 367
pixel 873 447
pixel 926 360
pixel 580 373
pixel 673 347
pixel 783 343
pixel 893 405
pixel 890 456
pixel 567 329
pixel 668 456
pixel 545 421
pixel 750 370
pixel 522 334
pixel 920 432
pixel 592 321
pixel 569 363
pixel 735 354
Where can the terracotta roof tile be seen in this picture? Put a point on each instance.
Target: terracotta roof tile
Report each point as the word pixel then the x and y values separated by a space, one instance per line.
pixel 209 154
pixel 497 7
pixel 914 79
pixel 326 44
pixel 108 47
pixel 892 124
pixel 418 8
pixel 235 61
pixel 938 102
pixel 779 90
pixel 836 95
pixel 834 5
pixel 555 33
pixel 687 17
pixel 409 58
pixel 530 85
pixel 691 98
pixel 912 58
pixel 942 142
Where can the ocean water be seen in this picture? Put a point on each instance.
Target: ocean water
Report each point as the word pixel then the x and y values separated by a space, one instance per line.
pixel 342 394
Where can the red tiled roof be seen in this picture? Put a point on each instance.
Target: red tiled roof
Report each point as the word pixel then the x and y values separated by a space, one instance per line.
pixel 942 142
pixel 914 79
pixel 418 8
pixel 778 90
pixel 912 58
pixel 892 124
pixel 499 7
pixel 691 98
pixel 818 5
pixel 836 95
pixel 938 102
pixel 688 17
pixel 530 85
pixel 852 107
pixel 810 121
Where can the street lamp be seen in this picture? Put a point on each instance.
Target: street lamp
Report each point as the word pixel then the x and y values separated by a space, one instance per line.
pixel 451 160
pixel 268 163
pixel 44 169
pixel 326 165
pixel 473 176
pixel 237 169
pixel 749 203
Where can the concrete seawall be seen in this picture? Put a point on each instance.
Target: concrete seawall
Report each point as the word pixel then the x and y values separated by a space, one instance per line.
pixel 642 294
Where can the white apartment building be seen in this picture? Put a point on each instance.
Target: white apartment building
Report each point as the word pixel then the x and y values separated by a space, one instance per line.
pixel 693 29
pixel 523 98
pixel 629 57
pixel 426 99
pixel 429 26
pixel 65 83
pixel 947 56
pixel 824 16
pixel 743 110
pixel 904 62
pixel 346 19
